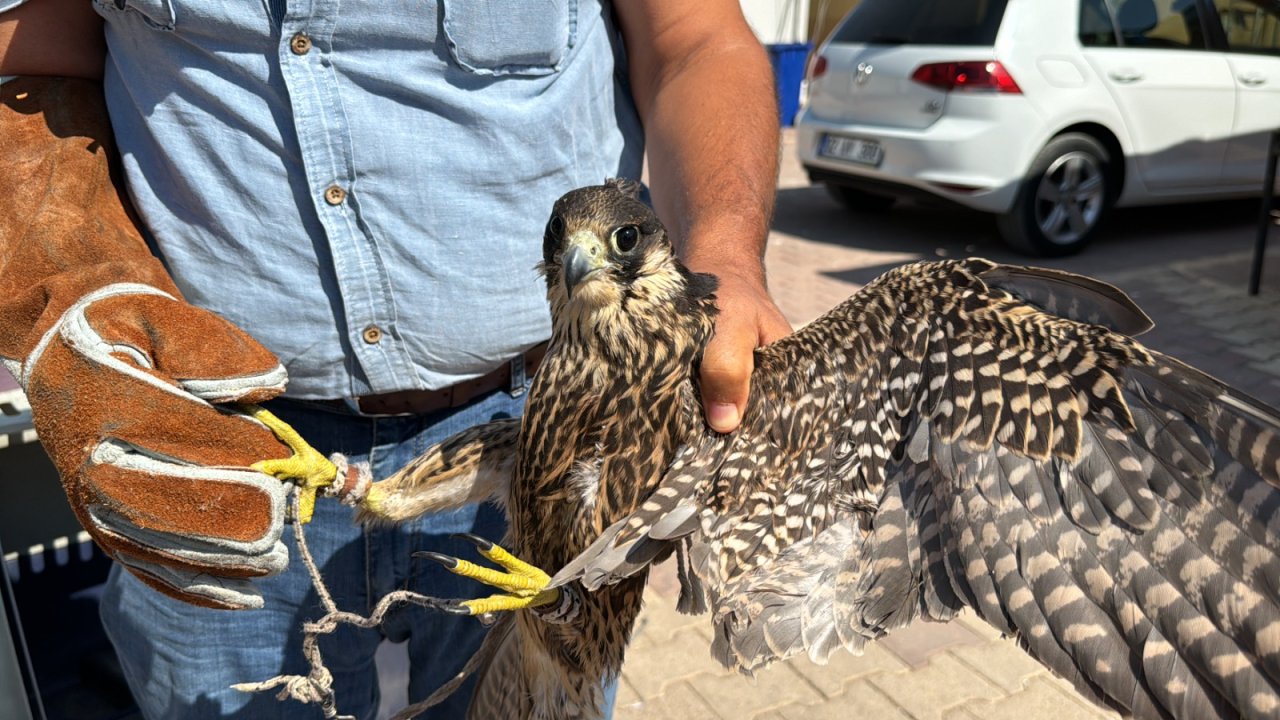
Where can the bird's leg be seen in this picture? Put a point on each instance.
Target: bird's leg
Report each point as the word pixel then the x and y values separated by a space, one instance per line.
pixel 306 468
pixel 472 466
pixel 525 586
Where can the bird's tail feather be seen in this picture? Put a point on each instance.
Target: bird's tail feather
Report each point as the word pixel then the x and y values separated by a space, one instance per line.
pixel 501 686
pixel 494 642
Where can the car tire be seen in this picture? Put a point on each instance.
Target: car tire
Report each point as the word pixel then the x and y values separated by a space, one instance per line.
pixel 859 200
pixel 1063 200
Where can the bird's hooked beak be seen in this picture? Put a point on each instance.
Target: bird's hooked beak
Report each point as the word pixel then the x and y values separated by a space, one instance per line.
pixel 583 256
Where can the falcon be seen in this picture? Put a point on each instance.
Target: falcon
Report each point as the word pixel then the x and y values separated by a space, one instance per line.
pixel 956 434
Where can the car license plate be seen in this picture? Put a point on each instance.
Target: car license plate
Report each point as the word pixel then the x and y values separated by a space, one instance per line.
pixel 863 152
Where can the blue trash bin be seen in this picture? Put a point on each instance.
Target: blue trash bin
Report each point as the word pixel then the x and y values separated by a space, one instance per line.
pixel 788 61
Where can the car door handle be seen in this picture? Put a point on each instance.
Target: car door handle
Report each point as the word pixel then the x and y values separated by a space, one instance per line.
pixel 1125 76
pixel 1253 80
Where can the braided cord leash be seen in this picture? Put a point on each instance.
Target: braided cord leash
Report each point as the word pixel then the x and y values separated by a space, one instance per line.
pixel 317 686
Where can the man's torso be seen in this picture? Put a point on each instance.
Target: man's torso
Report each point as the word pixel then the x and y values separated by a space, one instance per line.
pixel 363 188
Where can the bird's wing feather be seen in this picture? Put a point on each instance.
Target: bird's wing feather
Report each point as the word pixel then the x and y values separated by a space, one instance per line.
pixel 943 440
pixel 1072 296
pixel 670 512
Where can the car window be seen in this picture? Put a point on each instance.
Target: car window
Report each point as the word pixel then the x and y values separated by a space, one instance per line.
pixel 926 22
pixel 1159 24
pixel 1251 26
pixel 1096 28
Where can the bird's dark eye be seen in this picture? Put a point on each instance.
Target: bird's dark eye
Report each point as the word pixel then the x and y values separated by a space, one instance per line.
pixel 555 228
pixel 625 238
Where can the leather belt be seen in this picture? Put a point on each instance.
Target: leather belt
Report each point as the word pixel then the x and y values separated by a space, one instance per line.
pixel 509 376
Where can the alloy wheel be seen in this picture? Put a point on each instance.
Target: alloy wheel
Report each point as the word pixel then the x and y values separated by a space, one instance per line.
pixel 1070 197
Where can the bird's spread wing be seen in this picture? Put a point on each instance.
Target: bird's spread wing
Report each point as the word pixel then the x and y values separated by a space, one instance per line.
pixel 963 433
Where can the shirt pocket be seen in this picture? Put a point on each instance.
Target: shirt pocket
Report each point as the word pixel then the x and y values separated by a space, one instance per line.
pixel 510 37
pixel 158 14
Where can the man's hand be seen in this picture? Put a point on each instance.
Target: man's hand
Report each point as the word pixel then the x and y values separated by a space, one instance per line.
pixel 748 319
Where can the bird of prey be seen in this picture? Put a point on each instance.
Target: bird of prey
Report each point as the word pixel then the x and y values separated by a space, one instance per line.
pixel 957 433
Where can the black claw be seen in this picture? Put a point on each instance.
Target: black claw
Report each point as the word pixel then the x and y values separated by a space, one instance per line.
pixel 476 540
pixel 445 560
pixel 456 608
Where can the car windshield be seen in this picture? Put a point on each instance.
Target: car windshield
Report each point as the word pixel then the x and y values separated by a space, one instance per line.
pixel 924 22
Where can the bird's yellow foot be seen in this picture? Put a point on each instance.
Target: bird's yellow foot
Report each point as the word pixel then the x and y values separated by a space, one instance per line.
pixel 525 585
pixel 306 468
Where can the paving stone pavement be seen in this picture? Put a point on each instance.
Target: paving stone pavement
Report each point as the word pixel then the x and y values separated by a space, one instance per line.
pixel 1187 267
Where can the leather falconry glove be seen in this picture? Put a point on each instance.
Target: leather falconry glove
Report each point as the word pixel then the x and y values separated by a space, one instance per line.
pixel 127 382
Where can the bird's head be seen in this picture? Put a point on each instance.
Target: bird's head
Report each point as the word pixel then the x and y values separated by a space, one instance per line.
pixel 609 263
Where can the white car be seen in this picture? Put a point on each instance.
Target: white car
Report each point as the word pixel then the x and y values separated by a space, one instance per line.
pixel 1044 112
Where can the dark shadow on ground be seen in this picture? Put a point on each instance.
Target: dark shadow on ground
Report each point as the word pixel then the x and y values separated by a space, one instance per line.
pixel 1132 239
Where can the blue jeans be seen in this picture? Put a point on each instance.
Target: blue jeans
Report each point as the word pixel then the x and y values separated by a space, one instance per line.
pixel 180 660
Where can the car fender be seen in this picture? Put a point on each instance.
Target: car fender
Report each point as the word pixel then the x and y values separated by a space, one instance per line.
pixel 1088 108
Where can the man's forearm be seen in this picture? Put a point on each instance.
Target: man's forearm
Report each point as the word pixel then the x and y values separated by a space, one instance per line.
pixel 704 89
pixel 714 156
pixel 52 37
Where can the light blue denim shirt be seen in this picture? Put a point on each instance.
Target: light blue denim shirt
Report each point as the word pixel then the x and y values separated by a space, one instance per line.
pixel 362 185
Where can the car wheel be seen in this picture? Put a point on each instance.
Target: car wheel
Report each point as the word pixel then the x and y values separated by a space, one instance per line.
pixel 1062 200
pixel 859 200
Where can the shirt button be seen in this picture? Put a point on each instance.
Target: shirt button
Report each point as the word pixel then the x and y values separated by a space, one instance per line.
pixel 334 195
pixel 372 334
pixel 300 44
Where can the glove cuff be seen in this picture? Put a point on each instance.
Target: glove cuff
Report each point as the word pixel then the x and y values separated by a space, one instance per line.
pixel 66 230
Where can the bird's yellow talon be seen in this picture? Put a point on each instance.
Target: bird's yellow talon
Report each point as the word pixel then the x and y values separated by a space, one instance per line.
pixel 306 468
pixel 498 603
pixel 514 564
pixel 524 585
